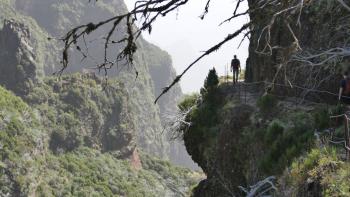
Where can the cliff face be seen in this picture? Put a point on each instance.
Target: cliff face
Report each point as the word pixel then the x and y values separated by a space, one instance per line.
pixel 322 27
pixel 154 65
pixel 168 103
pixel 18 66
pixel 76 135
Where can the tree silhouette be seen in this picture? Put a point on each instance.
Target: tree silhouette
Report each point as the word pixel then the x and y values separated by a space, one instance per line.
pixel 210 88
pixel 212 80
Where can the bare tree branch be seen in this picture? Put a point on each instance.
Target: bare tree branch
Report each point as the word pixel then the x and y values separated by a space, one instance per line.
pixel 209 51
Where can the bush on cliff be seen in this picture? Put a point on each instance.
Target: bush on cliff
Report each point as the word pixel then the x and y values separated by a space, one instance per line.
pixel 285 140
pixel 267 103
pixel 320 173
pixel 204 117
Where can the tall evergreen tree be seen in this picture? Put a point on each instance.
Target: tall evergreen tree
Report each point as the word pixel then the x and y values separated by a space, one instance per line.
pixel 212 80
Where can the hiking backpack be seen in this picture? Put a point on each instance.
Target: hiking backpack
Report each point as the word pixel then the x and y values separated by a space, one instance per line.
pixel 235 64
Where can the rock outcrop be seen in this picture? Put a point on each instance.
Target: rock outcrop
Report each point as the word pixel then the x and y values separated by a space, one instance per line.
pixel 18 66
pixel 221 152
pixel 239 143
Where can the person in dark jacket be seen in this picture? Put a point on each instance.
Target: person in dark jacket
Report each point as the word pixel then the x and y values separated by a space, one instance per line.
pixel 235 68
pixel 344 89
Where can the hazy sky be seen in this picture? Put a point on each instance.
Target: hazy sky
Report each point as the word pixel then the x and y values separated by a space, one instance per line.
pixel 184 35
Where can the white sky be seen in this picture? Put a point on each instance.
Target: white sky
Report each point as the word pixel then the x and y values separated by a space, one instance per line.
pixel 184 35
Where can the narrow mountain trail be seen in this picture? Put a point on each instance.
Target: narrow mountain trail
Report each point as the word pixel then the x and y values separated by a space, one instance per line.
pixel 249 93
pixel 243 93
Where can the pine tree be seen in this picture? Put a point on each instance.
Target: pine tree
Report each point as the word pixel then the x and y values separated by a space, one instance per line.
pixel 212 80
pixel 210 85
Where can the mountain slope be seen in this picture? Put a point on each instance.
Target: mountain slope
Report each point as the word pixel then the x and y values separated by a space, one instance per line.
pixel 153 65
pixel 75 134
pixel 47 148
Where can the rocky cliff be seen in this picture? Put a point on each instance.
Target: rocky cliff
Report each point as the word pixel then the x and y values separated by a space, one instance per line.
pixel 322 26
pixel 34 57
pixel 76 135
pixel 238 144
pixel 240 141
pixel 18 61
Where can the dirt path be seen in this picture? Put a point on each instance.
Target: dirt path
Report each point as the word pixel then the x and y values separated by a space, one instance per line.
pixel 250 93
pixel 242 92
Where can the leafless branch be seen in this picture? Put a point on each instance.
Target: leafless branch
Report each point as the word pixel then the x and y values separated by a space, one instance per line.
pixel 206 9
pixel 177 123
pixel 262 188
pixel 145 11
pixel 209 51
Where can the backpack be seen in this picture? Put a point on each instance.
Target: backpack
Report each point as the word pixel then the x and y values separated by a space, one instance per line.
pixel 347 87
pixel 235 63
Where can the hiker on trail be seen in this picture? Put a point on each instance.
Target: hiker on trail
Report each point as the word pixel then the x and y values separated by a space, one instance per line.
pixel 235 68
pixel 344 90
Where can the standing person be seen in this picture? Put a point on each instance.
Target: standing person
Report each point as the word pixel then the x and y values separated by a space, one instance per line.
pixel 235 68
pixel 344 90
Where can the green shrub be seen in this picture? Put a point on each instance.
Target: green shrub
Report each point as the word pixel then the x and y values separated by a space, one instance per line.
pixel 67 134
pixel 324 169
pixel 339 132
pixel 209 91
pixel 188 102
pixel 57 139
pixel 274 130
pixel 267 103
pixel 321 118
pixel 285 140
pixel 212 80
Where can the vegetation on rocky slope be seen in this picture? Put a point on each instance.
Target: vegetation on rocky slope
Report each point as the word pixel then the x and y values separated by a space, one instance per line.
pixel 35 56
pixel 238 145
pixel 321 172
pixel 75 135
pixel 60 146
pixel 80 111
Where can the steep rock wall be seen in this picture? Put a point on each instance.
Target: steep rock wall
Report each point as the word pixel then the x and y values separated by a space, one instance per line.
pixel 322 27
pixel 157 58
pixel 66 14
pixel 18 66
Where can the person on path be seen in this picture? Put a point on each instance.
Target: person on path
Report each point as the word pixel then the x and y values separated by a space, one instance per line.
pixel 235 68
pixel 344 89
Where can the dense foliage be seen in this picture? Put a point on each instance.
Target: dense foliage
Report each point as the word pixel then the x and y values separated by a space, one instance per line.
pixel 29 52
pixel 80 111
pixel 320 173
pixel 75 141
pixel 285 140
pixel 204 117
